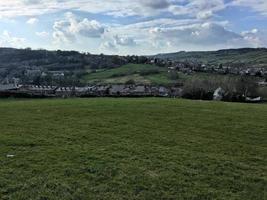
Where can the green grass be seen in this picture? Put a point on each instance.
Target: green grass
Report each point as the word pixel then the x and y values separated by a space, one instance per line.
pixel 140 73
pixel 123 79
pixel 123 70
pixel 160 79
pixel 132 149
pixel 145 74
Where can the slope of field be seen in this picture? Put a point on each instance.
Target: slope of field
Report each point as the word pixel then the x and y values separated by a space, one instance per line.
pixel 149 74
pixel 132 149
pixel 247 56
pixel 139 73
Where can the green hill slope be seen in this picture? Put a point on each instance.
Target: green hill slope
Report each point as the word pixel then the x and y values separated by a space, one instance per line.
pixel 246 55
pixel 139 73
pixel 132 149
pixel 147 74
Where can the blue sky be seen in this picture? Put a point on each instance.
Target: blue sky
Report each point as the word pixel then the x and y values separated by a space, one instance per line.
pixel 133 26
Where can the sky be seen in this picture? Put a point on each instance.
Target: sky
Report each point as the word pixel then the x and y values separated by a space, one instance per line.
pixel 127 27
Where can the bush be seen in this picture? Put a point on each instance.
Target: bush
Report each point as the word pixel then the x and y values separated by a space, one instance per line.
pixel 149 72
pixel 118 75
pixel 173 75
pixel 263 92
pixel 236 88
pixel 130 82
pixel 196 88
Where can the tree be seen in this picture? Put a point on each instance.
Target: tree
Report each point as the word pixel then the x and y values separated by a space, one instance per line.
pixel 173 75
pixel 130 82
pixel 247 86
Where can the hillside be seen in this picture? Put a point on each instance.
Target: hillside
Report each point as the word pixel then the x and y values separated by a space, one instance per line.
pixel 47 66
pixel 248 56
pixel 54 60
pixel 132 149
pixel 137 73
pixel 68 68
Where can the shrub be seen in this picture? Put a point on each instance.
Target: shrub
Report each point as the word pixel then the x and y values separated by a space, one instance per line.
pixel 130 82
pixel 118 75
pixel 196 88
pixel 236 88
pixel 173 75
pixel 149 72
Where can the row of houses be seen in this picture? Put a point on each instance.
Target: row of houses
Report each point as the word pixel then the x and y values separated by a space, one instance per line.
pixel 190 67
pixel 92 91
pixel 249 71
pixel 106 91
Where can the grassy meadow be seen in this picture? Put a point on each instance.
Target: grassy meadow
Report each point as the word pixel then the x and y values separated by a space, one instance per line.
pixel 139 73
pixel 149 74
pixel 147 148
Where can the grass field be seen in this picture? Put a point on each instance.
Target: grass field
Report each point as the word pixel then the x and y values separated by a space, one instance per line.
pixel 152 75
pixel 140 73
pixel 132 149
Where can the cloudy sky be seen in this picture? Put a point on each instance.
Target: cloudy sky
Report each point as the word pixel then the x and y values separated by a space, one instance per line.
pixel 133 26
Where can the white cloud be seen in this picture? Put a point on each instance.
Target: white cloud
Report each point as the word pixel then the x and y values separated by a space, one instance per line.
pixel 109 47
pixel 162 25
pixel 7 40
pixel 124 41
pixel 42 34
pixel 32 21
pixel 68 29
pixel 87 28
pixel 205 14
pixel 156 4
pixel 259 6
pixel 112 7
pixel 62 37
pixel 255 37
pixel 199 34
pixel 168 35
pixel 201 9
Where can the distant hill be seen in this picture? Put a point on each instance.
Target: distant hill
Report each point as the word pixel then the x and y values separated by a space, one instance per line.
pixel 71 67
pixel 29 65
pixel 248 56
pixel 55 60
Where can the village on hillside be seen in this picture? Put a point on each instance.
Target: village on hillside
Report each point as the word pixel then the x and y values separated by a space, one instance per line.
pixel 60 74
